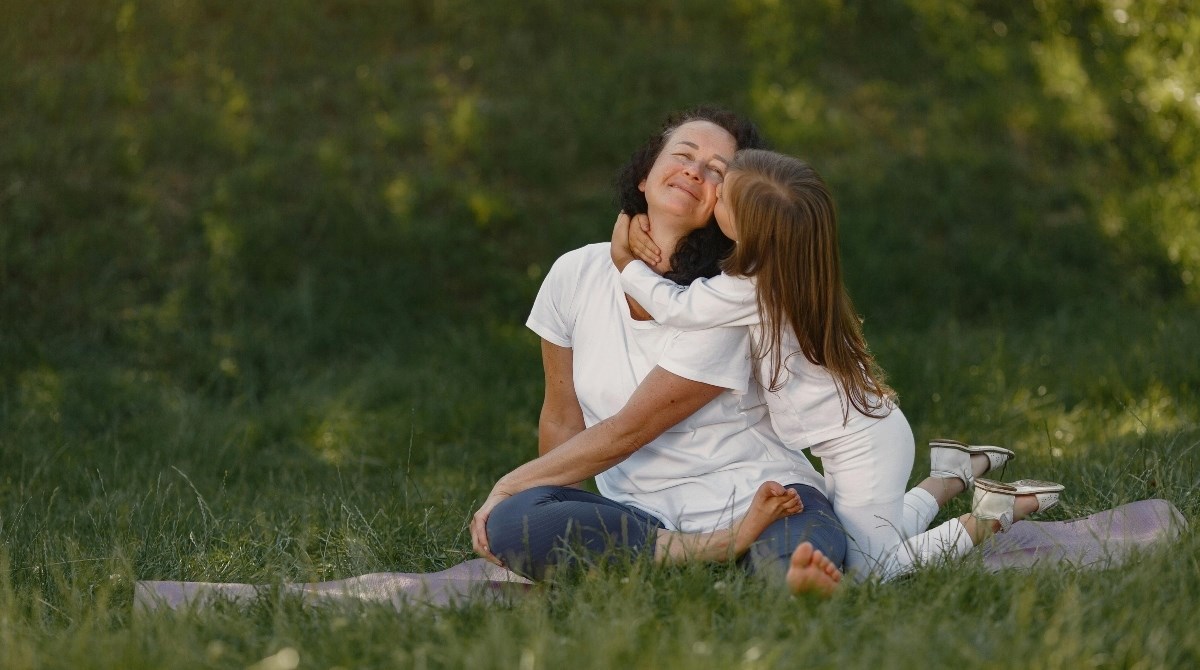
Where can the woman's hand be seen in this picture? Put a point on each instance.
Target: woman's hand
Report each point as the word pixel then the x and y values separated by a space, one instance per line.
pixel 479 537
pixel 640 243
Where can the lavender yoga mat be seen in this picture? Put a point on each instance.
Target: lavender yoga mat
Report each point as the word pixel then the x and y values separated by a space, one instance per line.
pixel 1101 540
pixel 474 578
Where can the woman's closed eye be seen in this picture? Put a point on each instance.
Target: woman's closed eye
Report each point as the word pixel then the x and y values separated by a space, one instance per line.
pixel 715 170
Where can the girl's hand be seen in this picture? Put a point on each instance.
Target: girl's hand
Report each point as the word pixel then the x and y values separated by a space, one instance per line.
pixel 621 255
pixel 479 537
pixel 640 243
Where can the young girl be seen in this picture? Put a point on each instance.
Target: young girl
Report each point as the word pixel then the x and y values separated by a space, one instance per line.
pixel 823 388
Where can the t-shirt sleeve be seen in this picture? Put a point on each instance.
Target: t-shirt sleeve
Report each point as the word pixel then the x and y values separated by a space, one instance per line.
pixel 553 313
pixel 716 356
pixel 708 303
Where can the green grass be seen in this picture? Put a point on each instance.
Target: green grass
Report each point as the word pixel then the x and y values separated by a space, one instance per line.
pixel 376 466
pixel 263 272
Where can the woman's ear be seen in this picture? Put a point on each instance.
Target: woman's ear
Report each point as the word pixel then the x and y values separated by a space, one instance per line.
pixel 642 186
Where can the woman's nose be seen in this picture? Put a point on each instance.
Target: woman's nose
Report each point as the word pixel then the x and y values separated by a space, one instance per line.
pixel 695 170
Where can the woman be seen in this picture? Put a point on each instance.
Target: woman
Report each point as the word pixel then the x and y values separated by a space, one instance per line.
pixel 661 417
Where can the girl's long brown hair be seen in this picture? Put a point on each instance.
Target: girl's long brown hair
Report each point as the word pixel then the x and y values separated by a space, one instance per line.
pixel 788 241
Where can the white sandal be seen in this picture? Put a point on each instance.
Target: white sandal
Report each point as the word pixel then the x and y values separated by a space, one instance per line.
pixel 996 500
pixel 951 458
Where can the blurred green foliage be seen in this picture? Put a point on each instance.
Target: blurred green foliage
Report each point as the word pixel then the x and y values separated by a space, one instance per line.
pixel 216 190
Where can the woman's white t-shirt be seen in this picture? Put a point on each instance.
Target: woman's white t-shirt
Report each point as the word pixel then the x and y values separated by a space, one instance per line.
pixel 702 473
pixel 809 408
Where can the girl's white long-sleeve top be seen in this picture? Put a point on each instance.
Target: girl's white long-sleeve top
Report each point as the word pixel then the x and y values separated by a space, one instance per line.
pixel 808 407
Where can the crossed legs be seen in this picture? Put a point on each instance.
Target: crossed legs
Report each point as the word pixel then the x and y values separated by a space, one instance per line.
pixel 550 527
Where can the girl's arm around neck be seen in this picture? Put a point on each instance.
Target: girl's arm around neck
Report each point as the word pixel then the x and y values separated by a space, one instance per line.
pixel 707 303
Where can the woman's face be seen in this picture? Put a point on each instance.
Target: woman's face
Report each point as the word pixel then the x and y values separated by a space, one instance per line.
pixel 722 212
pixel 684 178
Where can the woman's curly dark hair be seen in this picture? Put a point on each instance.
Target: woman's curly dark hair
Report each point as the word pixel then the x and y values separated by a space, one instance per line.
pixel 700 253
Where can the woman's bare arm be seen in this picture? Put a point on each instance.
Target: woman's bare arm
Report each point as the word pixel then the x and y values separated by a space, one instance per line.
pixel 662 400
pixel 561 417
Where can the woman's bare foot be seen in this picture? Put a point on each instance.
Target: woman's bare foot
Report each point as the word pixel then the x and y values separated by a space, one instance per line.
pixel 772 502
pixel 812 572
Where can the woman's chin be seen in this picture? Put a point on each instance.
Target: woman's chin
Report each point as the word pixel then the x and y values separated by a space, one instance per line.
pixel 680 205
pixel 682 218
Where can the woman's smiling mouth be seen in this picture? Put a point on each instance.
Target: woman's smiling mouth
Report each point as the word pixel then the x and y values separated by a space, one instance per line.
pixel 685 188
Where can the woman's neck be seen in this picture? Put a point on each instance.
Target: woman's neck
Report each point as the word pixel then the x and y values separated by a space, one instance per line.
pixel 666 231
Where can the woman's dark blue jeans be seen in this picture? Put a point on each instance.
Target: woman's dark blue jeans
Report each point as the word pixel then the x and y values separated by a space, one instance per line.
pixel 554 527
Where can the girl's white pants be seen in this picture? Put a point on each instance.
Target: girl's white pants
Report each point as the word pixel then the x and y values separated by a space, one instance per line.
pixel 865 476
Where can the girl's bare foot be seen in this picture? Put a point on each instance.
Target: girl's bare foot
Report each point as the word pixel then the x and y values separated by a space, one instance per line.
pixel 945 489
pixel 812 572
pixel 998 505
pixel 772 502
pixel 980 465
pixel 982 529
